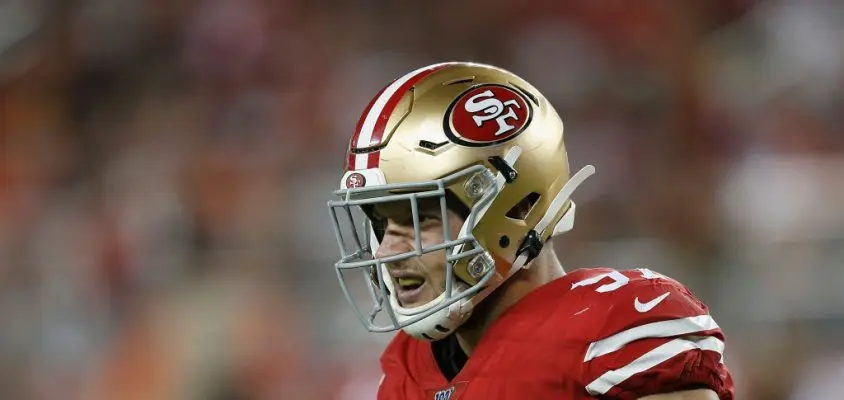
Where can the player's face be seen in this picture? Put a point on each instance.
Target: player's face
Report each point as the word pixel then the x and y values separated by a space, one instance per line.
pixel 417 280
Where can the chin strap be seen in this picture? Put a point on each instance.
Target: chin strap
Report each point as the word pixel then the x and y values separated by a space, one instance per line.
pixel 532 244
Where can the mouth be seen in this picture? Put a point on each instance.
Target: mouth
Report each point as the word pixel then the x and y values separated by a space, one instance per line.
pixel 408 288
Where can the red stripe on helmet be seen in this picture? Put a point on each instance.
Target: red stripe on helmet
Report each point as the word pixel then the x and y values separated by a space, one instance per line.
pixel 383 115
pixel 353 141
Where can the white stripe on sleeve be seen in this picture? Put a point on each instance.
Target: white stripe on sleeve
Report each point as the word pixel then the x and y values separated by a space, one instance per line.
pixel 610 379
pixel 661 329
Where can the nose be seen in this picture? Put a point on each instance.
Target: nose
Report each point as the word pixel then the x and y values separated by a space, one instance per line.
pixel 397 239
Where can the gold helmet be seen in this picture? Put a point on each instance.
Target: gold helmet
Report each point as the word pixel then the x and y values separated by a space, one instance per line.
pixel 461 132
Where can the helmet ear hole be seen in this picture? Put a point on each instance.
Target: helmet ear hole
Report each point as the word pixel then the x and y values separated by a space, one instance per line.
pixel 521 210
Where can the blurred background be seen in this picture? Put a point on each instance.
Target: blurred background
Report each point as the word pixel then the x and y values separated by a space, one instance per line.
pixel 164 168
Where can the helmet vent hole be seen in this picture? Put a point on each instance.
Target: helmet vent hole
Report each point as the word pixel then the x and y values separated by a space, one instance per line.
pixel 459 81
pixel 431 145
pixel 521 210
pixel 504 241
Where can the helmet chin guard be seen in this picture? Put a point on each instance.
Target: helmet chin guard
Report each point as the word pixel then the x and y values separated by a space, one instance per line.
pixel 439 324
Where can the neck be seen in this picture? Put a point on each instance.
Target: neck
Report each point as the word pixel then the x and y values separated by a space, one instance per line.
pixel 545 268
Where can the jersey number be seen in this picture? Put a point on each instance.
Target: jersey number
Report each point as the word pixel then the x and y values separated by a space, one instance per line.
pixel 618 278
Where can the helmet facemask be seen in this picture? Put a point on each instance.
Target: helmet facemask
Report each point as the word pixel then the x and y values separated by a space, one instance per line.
pixel 359 240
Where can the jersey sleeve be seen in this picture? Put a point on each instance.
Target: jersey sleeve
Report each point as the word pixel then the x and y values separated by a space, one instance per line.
pixel 656 337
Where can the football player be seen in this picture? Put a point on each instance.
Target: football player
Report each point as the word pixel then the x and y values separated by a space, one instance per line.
pixel 460 173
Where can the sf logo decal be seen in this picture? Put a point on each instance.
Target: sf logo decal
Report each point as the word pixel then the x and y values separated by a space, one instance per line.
pixel 492 109
pixel 487 115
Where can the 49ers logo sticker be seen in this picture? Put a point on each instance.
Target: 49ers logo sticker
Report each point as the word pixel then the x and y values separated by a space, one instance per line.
pixel 487 115
pixel 355 180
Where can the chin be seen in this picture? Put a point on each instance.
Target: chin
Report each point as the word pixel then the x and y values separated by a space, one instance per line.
pixel 418 303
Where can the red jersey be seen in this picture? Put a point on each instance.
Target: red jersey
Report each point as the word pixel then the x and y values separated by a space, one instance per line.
pixel 594 333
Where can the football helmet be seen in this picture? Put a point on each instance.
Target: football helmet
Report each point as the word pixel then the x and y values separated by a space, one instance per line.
pixel 465 133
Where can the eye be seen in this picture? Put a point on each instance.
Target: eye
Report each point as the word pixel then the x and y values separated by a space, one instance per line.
pixel 429 217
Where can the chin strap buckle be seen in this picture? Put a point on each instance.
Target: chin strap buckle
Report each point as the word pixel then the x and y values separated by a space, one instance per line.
pixel 531 246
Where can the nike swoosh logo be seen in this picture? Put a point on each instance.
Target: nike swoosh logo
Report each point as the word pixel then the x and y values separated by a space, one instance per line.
pixel 645 307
